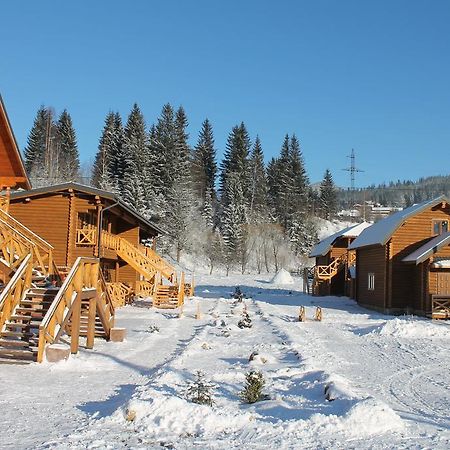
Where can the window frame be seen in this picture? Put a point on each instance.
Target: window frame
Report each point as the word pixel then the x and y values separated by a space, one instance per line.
pixel 371 281
pixel 439 224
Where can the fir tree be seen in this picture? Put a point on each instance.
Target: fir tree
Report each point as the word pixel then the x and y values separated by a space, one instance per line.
pixel 233 219
pixel 134 151
pixel 254 385
pixel 328 196
pixel 200 391
pixel 204 166
pixel 102 172
pixel 68 158
pixel 34 152
pixel 300 182
pixel 236 161
pixel 259 190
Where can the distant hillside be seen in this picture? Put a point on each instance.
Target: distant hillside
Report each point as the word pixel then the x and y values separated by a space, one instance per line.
pixel 400 193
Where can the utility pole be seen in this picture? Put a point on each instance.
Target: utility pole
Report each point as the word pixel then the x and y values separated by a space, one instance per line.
pixel 352 169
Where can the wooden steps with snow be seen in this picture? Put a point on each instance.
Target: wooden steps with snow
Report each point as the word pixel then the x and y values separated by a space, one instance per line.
pixel 20 335
pixel 166 297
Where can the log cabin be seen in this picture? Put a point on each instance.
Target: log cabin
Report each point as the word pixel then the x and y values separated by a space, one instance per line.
pixel 333 271
pixel 89 222
pixel 397 260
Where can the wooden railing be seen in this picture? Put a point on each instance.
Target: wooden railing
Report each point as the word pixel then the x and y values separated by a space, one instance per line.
pixel 80 284
pixel 86 237
pixel 440 306
pixel 162 265
pixel 18 238
pixel 328 272
pixel 143 259
pixel 144 289
pixel 119 293
pixel 15 290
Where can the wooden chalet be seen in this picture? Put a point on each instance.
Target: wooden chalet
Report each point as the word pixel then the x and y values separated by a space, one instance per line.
pixel 69 255
pixel 402 261
pixel 333 272
pixel 89 222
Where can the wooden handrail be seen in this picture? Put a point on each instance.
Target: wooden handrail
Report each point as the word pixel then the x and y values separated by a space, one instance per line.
pixel 80 283
pixel 44 245
pixel 28 242
pixel 327 272
pixel 15 289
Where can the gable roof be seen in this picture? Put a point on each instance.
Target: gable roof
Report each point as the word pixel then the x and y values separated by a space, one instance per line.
pixel 380 232
pixel 12 169
pixel 86 190
pixel 324 246
pixel 428 249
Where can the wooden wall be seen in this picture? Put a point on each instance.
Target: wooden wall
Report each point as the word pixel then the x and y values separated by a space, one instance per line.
pixel 49 218
pixel 371 260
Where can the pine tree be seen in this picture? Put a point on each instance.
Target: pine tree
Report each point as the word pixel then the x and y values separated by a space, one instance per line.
pixel 254 385
pixel 236 161
pixel 134 151
pixel 68 157
pixel 204 166
pixel 199 391
pixel 328 196
pixel 233 219
pixel 102 175
pixel 208 210
pixel 300 180
pixel 34 152
pixel 258 208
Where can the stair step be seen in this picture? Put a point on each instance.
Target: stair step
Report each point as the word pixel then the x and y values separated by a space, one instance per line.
pixel 10 325
pixel 19 334
pixel 17 353
pixel 15 361
pixel 13 343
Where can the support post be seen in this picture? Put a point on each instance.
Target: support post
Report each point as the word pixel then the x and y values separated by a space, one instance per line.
pixel 76 315
pixel 91 322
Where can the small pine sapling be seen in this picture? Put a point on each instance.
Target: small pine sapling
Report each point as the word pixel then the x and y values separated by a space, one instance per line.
pixel 245 322
pixel 199 391
pixel 253 390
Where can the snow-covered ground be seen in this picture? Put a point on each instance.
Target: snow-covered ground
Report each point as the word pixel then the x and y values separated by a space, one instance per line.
pixel 388 378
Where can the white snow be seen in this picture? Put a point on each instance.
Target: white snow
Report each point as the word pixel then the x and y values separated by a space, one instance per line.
pixel 282 277
pixel 441 264
pixel 358 379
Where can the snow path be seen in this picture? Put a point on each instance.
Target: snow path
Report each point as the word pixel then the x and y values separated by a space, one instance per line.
pixel 60 397
pixel 389 377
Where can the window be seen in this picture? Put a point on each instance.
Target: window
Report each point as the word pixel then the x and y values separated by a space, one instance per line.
pixel 371 282
pixel 440 226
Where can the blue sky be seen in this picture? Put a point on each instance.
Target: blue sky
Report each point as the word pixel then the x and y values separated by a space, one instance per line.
pixel 373 76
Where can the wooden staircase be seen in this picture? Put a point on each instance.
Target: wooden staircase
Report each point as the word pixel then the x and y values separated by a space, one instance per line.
pixel 20 334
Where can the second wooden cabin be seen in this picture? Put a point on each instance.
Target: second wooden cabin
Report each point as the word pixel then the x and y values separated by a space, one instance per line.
pixel 83 221
pixel 403 261
pixel 333 272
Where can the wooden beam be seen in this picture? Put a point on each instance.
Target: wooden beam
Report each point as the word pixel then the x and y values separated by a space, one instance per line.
pixel 91 322
pixel 75 325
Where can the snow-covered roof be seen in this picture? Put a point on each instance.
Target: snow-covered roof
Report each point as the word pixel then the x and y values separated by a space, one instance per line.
pixel 380 232
pixel 441 264
pixel 324 246
pixel 426 250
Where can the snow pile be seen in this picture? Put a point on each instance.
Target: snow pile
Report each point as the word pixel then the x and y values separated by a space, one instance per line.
pixel 282 277
pixel 413 328
pixel 169 417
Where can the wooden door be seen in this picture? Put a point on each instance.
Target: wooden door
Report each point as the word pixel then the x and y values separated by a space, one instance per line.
pixel 443 287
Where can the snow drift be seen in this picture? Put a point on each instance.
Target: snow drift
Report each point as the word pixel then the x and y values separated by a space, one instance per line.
pixel 282 277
